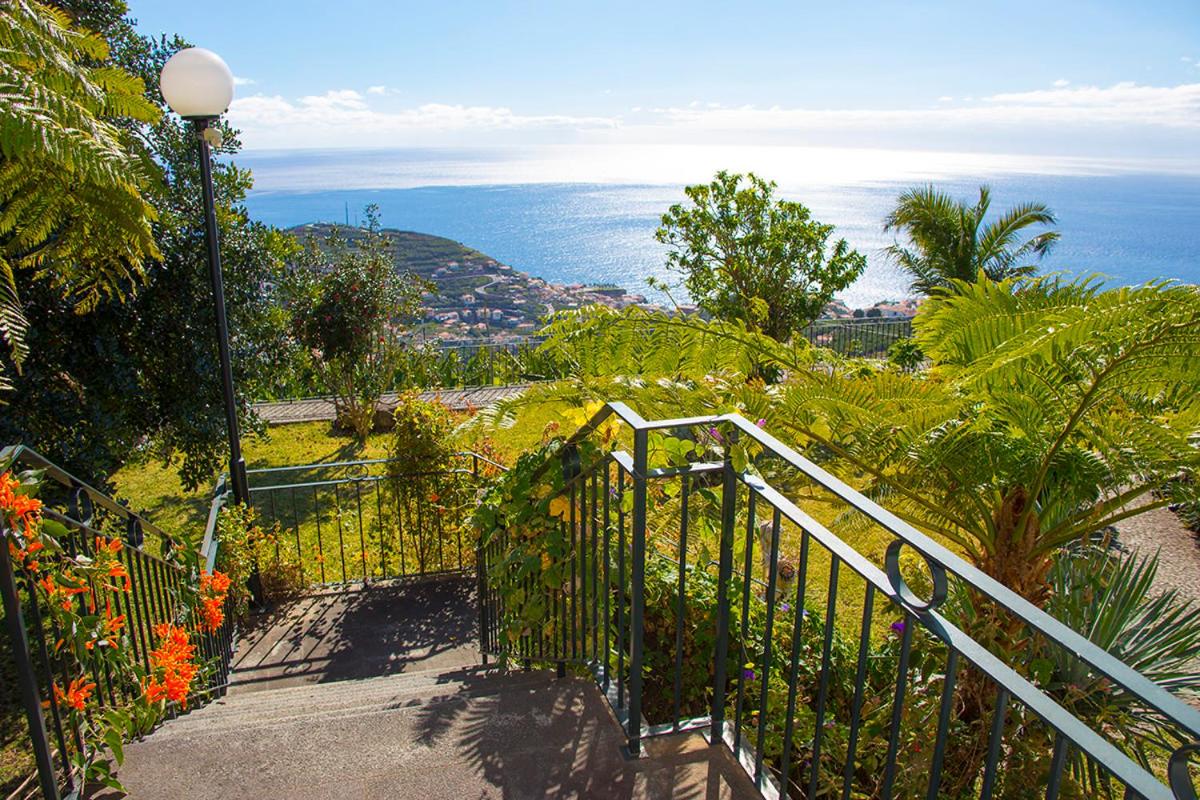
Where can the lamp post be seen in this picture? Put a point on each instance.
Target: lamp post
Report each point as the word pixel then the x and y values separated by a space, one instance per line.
pixel 198 86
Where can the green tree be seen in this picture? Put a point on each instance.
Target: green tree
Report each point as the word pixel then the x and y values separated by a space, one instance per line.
pixel 137 378
pixel 73 206
pixel 948 240
pixel 349 301
pixel 1051 411
pixel 745 255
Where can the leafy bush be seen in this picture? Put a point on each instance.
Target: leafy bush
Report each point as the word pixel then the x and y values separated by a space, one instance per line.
pixel 422 438
pixel 348 301
pixel 246 549
pixel 905 354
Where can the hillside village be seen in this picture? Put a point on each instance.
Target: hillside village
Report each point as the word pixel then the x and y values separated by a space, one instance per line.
pixel 476 296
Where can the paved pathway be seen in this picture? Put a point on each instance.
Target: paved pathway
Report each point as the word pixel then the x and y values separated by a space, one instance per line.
pixel 1178 550
pixel 320 409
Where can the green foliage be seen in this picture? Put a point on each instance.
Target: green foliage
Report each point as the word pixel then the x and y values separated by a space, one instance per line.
pixel 601 341
pixel 948 239
pixel 140 378
pixel 1110 599
pixel 1059 405
pixel 72 183
pixel 246 548
pixel 422 439
pixel 744 255
pixel 241 541
pixel 905 354
pixel 348 300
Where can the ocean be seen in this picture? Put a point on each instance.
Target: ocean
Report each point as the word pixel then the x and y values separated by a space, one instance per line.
pixel 588 214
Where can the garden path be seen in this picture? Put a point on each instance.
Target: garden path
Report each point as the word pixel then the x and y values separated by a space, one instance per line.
pixel 1178 548
pixel 320 409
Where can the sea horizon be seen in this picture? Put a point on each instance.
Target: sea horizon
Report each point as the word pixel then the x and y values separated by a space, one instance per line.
pixel 579 214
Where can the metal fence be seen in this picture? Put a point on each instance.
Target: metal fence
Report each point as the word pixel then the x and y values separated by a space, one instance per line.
pixel 866 336
pixel 451 364
pixel 768 696
pixel 351 521
pixel 156 584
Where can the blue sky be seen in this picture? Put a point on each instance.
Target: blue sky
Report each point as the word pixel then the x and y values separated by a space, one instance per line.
pixel 1115 80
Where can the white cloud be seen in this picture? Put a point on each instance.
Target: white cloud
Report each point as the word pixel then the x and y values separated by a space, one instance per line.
pixel 1061 82
pixel 377 90
pixel 1121 104
pixel 238 80
pixel 1125 119
pixel 344 117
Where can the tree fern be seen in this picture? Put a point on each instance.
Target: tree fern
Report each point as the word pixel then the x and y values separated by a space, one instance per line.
pixel 72 210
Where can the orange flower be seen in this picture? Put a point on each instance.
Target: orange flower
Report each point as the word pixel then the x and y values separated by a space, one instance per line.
pixel 108 562
pixel 213 590
pixel 61 593
pixel 77 693
pixel 171 664
pixel 20 512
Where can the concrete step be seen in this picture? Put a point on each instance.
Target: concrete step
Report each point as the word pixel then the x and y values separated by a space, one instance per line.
pixel 329 702
pixel 468 734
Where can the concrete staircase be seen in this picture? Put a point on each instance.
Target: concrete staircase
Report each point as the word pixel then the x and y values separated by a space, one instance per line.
pixel 466 734
pixel 301 721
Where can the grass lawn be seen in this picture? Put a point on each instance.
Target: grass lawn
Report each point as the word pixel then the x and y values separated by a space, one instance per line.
pixel 155 487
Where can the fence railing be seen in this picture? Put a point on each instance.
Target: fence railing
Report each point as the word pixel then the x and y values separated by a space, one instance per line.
pixel 867 336
pixel 923 708
pixel 452 364
pixel 153 595
pixel 352 521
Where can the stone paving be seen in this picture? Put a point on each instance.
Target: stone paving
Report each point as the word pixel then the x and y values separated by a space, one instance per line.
pixel 320 409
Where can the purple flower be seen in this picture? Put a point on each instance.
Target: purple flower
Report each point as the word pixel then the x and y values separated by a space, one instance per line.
pixel 716 434
pixel 898 626
pixel 762 423
pixel 786 606
pixel 747 674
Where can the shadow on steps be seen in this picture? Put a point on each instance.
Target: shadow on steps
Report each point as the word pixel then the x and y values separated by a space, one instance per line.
pixel 360 632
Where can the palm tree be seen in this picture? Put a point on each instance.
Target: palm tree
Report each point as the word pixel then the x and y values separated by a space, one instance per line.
pixel 72 208
pixel 948 239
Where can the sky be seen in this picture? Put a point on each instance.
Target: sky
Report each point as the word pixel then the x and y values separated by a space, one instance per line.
pixel 1113 81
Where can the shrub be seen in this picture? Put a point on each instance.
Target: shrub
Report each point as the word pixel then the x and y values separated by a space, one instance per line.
pixel 422 436
pixel 246 548
pixel 905 354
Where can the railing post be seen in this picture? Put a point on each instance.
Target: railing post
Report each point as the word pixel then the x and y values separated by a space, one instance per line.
pixel 637 605
pixel 26 679
pixel 481 574
pixel 728 521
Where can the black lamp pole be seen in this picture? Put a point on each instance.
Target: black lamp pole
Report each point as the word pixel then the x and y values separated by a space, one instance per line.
pixel 237 465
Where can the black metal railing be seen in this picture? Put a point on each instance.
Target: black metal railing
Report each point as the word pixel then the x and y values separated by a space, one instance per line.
pixel 451 364
pixel 783 583
pixel 866 336
pixel 155 589
pixel 351 521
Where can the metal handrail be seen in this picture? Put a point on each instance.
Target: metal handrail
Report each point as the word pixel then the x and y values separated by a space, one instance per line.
pixel 366 462
pixel 1110 666
pixel 887 581
pixel 154 586
pixel 37 461
pixel 300 509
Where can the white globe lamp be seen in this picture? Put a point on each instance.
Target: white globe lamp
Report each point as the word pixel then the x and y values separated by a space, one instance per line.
pixel 197 84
